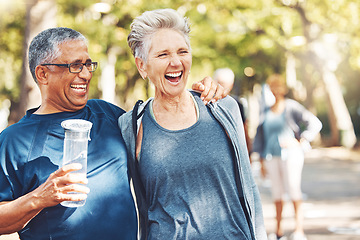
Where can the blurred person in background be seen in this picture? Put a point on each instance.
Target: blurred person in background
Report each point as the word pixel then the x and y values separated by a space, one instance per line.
pixel 284 132
pixel 32 181
pixel 184 191
pixel 226 77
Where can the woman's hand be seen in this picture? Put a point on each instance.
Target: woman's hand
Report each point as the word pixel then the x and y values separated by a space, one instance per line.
pixel 210 90
pixel 289 143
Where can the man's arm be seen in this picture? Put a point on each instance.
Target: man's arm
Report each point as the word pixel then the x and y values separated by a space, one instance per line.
pixel 14 215
pixel 210 90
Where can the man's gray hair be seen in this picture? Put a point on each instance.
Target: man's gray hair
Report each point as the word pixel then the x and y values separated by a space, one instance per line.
pixel 145 25
pixel 45 46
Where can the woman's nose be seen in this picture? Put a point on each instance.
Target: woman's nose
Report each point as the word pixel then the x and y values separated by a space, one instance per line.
pixel 175 60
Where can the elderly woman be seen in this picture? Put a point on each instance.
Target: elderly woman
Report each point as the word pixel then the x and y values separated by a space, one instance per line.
pixel 286 128
pixel 184 191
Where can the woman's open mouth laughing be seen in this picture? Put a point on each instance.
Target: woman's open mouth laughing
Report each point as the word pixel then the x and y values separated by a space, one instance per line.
pixel 174 77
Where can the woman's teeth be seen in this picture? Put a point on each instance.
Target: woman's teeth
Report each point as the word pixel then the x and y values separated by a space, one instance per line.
pixel 173 75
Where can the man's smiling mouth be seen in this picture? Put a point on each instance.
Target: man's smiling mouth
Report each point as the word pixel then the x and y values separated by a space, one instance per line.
pixel 79 87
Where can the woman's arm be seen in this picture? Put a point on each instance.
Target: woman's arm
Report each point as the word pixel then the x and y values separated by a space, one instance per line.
pixel 309 125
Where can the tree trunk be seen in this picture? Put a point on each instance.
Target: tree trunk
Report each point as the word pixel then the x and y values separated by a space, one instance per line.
pixel 107 81
pixel 40 15
pixel 342 128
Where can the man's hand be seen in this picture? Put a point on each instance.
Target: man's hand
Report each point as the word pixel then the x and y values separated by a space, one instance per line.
pixel 57 187
pixel 211 91
pixel 15 214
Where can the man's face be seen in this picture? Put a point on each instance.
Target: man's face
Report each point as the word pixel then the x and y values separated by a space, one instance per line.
pixel 67 91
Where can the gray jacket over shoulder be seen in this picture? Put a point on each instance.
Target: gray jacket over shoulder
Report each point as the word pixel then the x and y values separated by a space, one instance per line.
pixel 226 112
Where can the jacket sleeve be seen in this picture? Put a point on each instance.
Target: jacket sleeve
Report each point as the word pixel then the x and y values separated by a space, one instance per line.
pixel 228 114
pixel 254 199
pixel 307 124
pixel 126 127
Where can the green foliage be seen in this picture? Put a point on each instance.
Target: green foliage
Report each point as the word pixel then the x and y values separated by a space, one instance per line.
pixel 225 33
pixel 12 26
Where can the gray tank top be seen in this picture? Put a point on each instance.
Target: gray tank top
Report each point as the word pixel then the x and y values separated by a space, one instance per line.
pixel 189 177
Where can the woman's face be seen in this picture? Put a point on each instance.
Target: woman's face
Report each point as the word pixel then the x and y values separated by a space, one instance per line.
pixel 169 62
pixel 278 89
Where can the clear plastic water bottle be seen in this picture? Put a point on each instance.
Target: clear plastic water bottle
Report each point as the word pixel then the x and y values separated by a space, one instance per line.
pixel 77 135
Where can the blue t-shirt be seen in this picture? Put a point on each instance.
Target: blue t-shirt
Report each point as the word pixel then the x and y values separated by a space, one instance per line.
pixel 276 130
pixel 32 149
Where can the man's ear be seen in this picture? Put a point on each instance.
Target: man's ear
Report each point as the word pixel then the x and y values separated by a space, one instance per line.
pixel 41 73
pixel 140 64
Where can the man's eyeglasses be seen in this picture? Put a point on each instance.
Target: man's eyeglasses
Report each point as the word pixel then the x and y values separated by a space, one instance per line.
pixel 75 67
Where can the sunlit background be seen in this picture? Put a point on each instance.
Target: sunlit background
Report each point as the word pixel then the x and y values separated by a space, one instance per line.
pixel 314 43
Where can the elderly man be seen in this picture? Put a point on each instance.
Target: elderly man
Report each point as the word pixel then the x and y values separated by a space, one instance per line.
pixel 31 183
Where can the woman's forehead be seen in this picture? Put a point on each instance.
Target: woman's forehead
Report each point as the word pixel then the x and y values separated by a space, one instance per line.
pixel 167 38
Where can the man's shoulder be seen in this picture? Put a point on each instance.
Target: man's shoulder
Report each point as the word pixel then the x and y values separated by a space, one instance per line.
pixel 98 105
pixel 20 129
pixel 101 103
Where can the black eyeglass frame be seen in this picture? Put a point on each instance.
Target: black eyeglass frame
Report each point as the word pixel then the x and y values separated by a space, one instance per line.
pixel 95 64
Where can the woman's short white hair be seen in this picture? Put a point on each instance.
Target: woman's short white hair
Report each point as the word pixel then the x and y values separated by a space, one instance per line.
pixel 148 23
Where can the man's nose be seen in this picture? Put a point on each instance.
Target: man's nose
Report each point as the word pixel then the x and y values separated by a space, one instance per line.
pixel 85 73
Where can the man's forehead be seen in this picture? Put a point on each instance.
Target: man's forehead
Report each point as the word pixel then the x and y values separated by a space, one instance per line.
pixel 74 51
pixel 71 44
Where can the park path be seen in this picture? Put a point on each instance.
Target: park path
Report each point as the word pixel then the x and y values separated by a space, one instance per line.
pixel 331 187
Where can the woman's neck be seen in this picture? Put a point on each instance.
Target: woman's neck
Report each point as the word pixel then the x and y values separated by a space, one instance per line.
pixel 279 105
pixel 173 105
pixel 175 113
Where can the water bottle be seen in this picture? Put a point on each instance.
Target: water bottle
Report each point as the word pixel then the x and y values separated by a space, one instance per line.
pixel 77 135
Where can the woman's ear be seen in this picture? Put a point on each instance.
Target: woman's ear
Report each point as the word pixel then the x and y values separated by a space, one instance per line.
pixel 140 64
pixel 41 73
